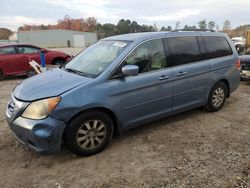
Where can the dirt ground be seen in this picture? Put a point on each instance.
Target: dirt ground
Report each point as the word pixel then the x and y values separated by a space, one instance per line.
pixel 193 149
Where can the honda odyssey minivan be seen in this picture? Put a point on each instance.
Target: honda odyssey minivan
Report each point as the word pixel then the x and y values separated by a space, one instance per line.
pixel 121 82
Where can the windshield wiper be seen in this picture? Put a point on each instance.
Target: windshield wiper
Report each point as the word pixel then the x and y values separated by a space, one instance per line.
pixel 75 71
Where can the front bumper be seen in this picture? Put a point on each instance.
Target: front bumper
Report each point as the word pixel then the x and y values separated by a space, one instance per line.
pixel 43 136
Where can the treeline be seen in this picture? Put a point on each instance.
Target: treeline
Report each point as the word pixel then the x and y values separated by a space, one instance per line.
pixel 67 23
pixel 90 24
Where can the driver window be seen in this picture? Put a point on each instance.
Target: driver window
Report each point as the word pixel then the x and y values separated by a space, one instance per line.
pixel 149 56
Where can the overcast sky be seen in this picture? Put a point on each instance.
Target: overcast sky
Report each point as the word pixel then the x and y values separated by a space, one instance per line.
pixel 14 13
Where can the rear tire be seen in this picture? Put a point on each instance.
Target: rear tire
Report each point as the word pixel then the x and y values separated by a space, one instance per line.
pixel 89 133
pixel 217 97
pixel 59 62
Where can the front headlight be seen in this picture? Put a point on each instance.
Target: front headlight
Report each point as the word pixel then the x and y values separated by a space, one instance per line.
pixel 41 109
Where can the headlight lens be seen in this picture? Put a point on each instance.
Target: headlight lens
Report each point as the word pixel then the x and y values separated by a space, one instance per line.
pixel 41 109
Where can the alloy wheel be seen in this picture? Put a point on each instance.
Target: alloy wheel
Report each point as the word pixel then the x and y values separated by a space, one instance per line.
pixel 91 134
pixel 218 97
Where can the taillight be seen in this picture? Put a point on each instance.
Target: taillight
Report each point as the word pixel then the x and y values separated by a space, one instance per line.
pixel 238 66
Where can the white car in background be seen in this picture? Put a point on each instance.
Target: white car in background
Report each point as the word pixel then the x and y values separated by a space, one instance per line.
pixel 239 43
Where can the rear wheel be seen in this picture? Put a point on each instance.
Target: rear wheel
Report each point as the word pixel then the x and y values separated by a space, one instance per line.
pixel 89 133
pixel 217 97
pixel 59 62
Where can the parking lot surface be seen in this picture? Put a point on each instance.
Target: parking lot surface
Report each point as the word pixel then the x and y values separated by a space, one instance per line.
pixel 192 149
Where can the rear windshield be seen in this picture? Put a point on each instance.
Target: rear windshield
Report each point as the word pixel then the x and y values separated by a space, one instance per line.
pixel 95 59
pixel 217 46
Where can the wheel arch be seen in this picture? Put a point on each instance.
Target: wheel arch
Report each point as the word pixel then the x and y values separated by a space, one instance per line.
pixel 57 58
pixel 226 82
pixel 110 113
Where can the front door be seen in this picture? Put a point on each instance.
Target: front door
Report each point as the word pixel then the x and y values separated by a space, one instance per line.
pixel 9 61
pixel 149 94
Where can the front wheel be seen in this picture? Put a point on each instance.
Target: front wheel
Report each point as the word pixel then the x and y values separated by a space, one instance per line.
pixel 30 73
pixel 89 133
pixel 217 97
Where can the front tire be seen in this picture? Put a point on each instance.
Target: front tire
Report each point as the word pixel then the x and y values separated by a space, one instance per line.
pixel 30 73
pixel 217 97
pixel 89 133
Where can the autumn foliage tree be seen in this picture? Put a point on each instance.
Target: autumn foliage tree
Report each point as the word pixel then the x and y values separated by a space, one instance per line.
pixel 68 23
pixel 5 33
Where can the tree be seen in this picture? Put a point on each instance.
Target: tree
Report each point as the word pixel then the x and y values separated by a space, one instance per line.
pixel 108 29
pixel 186 27
pixel 177 25
pixel 202 24
pixel 189 28
pixel 134 27
pixel 226 25
pixel 123 26
pixel 169 28
pixel 211 25
pixel 5 33
pixel 163 28
pixel 155 27
pixel 91 22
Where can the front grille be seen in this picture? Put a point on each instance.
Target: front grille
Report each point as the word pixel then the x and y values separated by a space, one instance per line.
pixel 14 105
pixel 11 107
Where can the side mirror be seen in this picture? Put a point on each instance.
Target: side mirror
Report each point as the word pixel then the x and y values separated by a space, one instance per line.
pixel 43 50
pixel 130 70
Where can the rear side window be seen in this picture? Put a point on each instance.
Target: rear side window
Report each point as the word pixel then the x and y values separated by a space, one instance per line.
pixel 7 50
pixel 183 50
pixel 217 46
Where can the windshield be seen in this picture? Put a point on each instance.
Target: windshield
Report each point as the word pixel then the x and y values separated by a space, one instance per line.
pixel 95 59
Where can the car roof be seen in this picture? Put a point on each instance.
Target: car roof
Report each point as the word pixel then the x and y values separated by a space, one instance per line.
pixel 150 35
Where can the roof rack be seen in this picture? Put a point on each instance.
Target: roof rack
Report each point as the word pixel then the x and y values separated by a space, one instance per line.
pixel 176 30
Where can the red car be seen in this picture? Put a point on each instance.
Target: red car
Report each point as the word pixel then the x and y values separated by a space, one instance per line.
pixel 15 58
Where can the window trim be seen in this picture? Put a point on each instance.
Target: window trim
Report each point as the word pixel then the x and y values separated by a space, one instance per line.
pixel 119 66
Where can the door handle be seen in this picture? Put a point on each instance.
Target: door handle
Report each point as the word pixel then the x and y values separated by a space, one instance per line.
pixel 163 77
pixel 181 73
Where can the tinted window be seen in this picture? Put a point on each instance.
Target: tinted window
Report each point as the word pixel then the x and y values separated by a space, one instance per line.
pixel 7 50
pixel 217 46
pixel 149 56
pixel 27 50
pixel 183 50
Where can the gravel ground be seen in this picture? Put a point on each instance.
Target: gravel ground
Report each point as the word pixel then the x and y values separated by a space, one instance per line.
pixel 192 149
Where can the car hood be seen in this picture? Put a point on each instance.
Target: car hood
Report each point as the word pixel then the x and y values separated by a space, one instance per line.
pixel 51 83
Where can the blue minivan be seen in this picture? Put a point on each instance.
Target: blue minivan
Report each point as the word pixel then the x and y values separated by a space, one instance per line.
pixel 121 82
